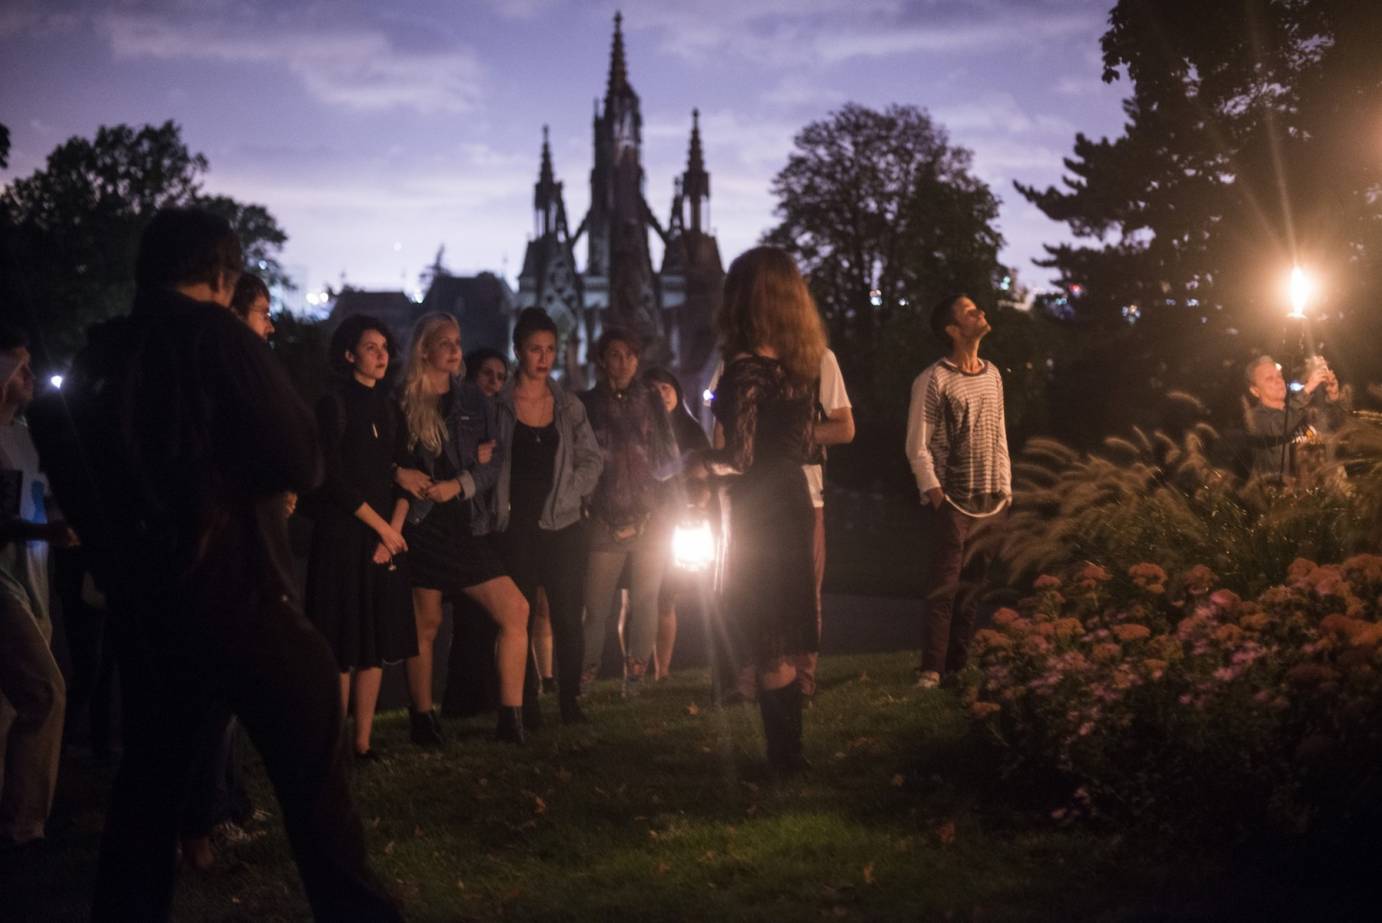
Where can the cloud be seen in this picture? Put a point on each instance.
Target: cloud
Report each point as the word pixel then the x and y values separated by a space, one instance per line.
pixel 795 91
pixel 998 113
pixel 352 66
pixel 831 32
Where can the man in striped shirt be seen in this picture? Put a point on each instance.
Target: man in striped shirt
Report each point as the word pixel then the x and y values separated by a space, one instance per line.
pixel 957 445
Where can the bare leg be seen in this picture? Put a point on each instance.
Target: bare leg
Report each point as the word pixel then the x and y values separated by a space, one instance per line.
pixel 666 636
pixel 506 605
pixel 542 634
pixel 779 674
pixel 345 693
pixel 427 613
pixel 367 680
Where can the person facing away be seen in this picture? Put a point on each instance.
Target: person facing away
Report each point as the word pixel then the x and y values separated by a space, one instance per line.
pixel 33 694
pixel 772 338
pixel 957 446
pixel 170 446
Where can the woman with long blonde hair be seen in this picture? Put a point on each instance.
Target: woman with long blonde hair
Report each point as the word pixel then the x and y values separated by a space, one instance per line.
pixel 772 340
pixel 451 437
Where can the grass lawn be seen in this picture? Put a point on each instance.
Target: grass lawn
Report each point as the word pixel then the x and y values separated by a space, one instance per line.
pixel 659 810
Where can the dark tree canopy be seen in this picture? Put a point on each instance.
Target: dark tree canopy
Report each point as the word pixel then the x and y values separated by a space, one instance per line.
pixel 884 216
pixel 1251 144
pixel 74 226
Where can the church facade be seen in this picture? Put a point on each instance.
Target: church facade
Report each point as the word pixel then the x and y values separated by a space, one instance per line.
pixel 670 307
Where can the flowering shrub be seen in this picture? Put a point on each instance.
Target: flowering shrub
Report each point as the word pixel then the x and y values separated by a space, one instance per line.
pixel 1169 698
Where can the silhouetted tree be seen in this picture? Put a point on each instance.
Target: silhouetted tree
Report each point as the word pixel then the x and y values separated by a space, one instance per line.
pixel 1251 144
pixel 74 225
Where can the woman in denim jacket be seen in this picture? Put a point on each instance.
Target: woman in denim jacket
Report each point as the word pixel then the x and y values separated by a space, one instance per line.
pixel 451 430
pixel 550 463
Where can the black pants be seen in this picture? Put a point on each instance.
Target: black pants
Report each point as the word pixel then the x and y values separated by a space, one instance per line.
pixel 472 677
pixel 554 560
pixel 180 661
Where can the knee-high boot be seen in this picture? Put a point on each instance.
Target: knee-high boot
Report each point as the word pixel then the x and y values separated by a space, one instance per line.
pixel 782 726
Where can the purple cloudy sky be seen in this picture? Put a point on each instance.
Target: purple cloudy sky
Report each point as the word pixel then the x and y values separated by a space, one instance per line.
pixel 377 131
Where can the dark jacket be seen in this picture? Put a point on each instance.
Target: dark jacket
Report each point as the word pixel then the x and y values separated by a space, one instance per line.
pixel 470 420
pixel 170 446
pixel 639 450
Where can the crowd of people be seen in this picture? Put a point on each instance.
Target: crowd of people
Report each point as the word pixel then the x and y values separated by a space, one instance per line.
pixel 178 449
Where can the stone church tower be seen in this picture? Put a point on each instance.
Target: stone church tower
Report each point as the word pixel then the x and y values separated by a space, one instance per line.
pixel 671 309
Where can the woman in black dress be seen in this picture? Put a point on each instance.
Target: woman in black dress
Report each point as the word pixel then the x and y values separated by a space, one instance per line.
pixel 451 437
pixel 357 595
pixel 772 339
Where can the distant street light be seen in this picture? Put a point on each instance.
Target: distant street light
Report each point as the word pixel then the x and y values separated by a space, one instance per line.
pixel 1300 288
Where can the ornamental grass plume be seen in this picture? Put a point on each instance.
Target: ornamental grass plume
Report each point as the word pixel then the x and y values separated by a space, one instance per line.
pixel 1151 499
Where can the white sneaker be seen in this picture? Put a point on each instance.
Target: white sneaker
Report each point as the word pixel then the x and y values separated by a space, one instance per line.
pixel 929 679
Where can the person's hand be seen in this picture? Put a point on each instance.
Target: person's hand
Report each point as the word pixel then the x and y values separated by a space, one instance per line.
pixel 696 471
pixel 442 491
pixel 290 503
pixel 936 497
pixel 484 452
pixel 392 540
pixel 1316 378
pixel 381 554
pixel 60 535
pixel 413 481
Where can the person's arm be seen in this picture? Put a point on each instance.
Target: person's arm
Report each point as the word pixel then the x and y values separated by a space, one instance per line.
pixel 923 416
pixel 735 444
pixel 1004 461
pixel 485 472
pixel 838 426
pixel 590 461
pixel 268 433
pixel 382 554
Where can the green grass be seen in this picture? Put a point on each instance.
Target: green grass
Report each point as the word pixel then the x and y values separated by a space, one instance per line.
pixel 660 810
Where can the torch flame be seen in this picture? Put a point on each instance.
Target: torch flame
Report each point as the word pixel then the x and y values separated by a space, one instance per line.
pixel 1301 287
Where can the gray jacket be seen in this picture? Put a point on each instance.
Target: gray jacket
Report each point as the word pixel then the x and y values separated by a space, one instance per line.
pixel 578 462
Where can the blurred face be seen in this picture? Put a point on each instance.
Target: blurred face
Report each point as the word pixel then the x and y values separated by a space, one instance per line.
pixel 537 354
pixel 970 322
pixel 491 375
pixel 620 364
pixel 444 352
pixel 370 358
pixel 19 388
pixel 1268 386
pixel 669 395
pixel 257 318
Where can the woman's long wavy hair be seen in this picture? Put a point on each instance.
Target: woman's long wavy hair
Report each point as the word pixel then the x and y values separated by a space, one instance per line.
pixel 421 409
pixel 768 304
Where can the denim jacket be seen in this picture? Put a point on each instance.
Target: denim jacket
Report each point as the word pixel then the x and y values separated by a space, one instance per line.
pixel 578 461
pixel 469 422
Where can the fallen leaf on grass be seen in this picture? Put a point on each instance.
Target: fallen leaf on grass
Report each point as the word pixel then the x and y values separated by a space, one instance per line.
pixel 693 709
pixel 388 848
pixel 864 677
pixel 563 775
pixel 946 833
pixel 460 885
pixel 868 874
pixel 860 742
pixel 539 806
pixel 709 856
pixel 663 868
pixel 899 780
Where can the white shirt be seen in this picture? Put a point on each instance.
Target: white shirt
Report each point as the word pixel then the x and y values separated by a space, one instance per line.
pixel 23 565
pixel 832 397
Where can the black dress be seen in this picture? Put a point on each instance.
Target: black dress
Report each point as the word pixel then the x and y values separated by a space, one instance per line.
pixel 769 589
pixel 364 609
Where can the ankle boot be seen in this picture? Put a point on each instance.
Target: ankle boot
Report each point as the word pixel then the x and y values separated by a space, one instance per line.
pixel 510 726
pixel 571 712
pixel 424 730
pixel 530 712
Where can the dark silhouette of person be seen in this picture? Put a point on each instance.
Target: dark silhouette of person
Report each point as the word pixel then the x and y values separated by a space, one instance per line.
pixel 171 444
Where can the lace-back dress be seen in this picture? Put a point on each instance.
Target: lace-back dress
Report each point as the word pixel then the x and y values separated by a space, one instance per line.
pixel 768 580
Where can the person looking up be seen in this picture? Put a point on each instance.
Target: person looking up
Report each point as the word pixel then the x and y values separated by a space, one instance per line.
pixel 957 446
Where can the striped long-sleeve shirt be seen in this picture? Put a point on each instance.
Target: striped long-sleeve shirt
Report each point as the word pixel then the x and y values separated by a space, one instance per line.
pixel 957 439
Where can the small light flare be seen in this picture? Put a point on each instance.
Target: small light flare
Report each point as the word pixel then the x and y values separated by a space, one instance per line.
pixel 55 381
